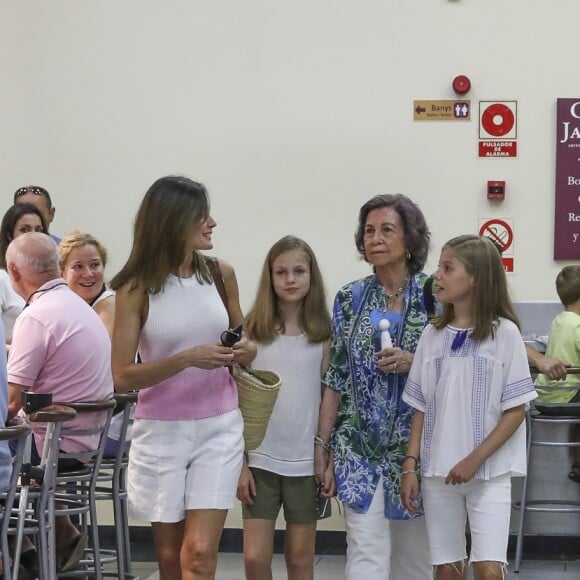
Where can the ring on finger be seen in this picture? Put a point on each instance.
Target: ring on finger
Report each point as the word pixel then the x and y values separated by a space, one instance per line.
pixel 395 366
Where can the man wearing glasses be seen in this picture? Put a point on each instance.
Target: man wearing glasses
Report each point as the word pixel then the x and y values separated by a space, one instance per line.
pixel 39 197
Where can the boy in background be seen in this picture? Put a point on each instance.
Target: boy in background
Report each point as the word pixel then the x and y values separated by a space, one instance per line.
pixel 564 344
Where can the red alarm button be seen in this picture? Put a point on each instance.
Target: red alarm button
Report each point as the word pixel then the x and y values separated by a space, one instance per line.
pixel 461 84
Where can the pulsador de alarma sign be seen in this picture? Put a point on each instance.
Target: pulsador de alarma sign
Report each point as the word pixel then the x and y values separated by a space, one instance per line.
pixel 567 218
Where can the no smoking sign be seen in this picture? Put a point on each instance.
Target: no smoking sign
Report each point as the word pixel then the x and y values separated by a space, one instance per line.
pixel 501 231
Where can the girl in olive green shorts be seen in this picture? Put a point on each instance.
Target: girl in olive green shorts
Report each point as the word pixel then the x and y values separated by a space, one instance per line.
pixel 290 324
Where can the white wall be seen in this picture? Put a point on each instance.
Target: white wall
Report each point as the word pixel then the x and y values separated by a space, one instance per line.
pixel 293 114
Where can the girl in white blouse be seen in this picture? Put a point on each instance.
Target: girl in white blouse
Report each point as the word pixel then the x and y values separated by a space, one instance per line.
pixel 469 385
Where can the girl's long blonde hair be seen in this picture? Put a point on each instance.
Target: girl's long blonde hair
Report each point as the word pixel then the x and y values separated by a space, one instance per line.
pixel 482 261
pixel 264 322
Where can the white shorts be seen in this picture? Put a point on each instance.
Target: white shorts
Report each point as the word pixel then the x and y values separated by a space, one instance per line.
pixel 176 466
pixel 487 505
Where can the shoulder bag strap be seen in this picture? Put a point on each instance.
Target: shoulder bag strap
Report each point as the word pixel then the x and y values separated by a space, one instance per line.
pixel 214 268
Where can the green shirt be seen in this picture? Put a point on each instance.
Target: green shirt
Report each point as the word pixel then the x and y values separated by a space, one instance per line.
pixel 563 343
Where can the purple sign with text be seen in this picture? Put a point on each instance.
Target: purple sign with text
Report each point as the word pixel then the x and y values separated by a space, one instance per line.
pixel 567 219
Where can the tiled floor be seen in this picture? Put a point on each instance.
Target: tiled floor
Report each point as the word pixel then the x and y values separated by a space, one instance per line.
pixel 230 567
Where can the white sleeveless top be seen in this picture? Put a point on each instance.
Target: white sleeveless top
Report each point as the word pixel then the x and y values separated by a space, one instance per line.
pixel 106 294
pixel 288 447
pixel 185 314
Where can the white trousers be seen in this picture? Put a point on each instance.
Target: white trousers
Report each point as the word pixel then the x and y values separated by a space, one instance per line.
pixel 382 549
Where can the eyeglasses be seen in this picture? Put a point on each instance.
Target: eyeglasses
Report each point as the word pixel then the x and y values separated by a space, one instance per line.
pixel 33 189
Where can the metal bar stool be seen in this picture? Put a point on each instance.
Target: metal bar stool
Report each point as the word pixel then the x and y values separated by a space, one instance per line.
pixel 76 489
pixel 112 485
pixel 18 430
pixel 39 520
pixel 43 497
pixel 560 415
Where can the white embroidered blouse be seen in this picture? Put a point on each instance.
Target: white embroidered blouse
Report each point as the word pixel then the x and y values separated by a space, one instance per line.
pixel 463 393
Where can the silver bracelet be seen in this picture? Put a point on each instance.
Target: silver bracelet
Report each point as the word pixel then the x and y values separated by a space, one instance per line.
pixel 324 446
pixel 406 471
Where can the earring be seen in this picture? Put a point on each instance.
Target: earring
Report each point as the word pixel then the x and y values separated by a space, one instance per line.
pixel 408 256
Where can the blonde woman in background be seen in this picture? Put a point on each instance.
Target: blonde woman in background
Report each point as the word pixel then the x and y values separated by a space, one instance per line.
pixel 82 263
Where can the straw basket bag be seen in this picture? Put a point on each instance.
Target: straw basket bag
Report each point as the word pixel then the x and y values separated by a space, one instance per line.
pixel 257 390
pixel 257 393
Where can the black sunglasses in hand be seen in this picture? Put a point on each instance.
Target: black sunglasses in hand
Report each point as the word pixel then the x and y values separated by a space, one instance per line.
pixel 231 336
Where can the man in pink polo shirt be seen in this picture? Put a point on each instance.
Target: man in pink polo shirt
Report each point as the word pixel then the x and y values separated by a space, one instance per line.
pixel 59 346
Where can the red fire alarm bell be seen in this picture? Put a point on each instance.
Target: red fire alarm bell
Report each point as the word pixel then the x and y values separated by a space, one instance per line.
pixel 496 190
pixel 461 84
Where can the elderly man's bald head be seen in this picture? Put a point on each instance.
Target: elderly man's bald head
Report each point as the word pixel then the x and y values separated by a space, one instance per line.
pixel 34 254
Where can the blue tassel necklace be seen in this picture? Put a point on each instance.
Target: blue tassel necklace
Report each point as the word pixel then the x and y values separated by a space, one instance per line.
pixel 459 339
